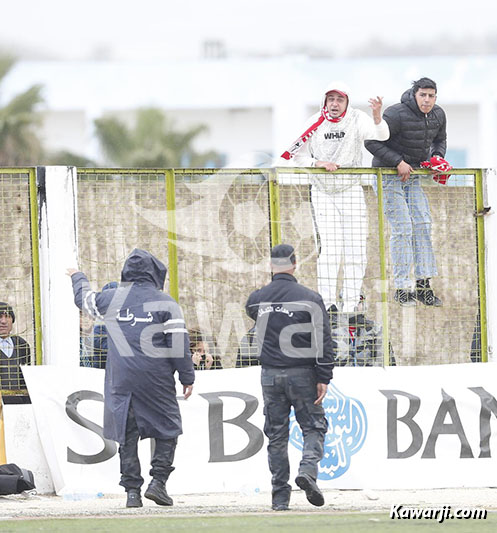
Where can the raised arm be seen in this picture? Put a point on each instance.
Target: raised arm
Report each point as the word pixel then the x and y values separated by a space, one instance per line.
pixel 380 149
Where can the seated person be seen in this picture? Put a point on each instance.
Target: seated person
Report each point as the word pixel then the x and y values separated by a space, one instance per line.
pixel 99 346
pixel 100 337
pixel 202 349
pixel 93 338
pixel 358 342
pixel 248 353
pixel 85 339
pixel 14 351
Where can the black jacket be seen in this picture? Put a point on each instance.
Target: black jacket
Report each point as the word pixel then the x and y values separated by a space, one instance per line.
pixel 414 135
pixel 11 377
pixel 284 310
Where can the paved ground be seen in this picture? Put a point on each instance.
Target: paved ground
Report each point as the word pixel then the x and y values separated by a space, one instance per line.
pixel 39 506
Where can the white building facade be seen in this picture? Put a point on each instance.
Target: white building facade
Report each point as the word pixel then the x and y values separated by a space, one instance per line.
pixel 254 108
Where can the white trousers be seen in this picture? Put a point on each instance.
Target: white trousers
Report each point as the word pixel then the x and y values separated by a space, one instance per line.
pixel 341 233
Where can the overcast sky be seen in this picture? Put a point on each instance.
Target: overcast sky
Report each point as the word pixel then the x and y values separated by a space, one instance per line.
pixel 155 29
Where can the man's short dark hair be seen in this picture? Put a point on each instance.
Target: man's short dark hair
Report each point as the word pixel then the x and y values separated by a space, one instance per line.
pixel 6 309
pixel 283 255
pixel 423 83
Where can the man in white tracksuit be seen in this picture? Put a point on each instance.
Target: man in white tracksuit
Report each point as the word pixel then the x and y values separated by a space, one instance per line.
pixel 334 138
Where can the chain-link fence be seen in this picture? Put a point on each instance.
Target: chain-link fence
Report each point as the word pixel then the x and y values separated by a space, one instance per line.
pixel 17 295
pixel 214 229
pixel 118 211
pixel 361 248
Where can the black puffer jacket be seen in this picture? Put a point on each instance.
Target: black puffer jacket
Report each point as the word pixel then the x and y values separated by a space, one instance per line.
pixel 414 135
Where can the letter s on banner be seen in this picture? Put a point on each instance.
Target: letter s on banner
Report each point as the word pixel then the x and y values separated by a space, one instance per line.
pixel 110 447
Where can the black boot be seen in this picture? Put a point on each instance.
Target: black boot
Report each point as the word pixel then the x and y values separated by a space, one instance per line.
pixel 424 293
pixel 281 498
pixel 280 507
pixel 157 492
pixel 312 492
pixel 405 298
pixel 134 499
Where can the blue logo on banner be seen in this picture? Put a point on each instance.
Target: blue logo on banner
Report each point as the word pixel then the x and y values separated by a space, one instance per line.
pixel 347 429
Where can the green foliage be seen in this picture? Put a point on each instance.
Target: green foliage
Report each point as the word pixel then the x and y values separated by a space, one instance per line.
pixel 19 144
pixel 153 142
pixel 6 63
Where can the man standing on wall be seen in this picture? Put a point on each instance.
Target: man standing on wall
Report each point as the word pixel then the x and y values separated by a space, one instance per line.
pixel 417 133
pixel 147 344
pixel 296 354
pixel 334 138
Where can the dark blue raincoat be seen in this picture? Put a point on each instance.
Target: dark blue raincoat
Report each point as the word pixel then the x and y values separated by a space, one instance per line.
pixel 147 344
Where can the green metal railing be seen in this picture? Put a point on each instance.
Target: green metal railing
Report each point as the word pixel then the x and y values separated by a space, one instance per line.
pixel 33 231
pixel 480 236
pixel 35 246
pixel 272 178
pixel 383 270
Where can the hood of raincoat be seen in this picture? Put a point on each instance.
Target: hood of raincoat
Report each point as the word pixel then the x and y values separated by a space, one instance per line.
pixel 142 267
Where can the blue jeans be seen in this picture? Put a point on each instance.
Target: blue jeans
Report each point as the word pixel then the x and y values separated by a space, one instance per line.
pixel 408 212
pixel 283 388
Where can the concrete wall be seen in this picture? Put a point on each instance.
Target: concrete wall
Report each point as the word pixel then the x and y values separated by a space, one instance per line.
pixel 23 446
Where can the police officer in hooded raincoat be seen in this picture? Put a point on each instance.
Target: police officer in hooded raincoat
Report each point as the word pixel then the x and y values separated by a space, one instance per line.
pixel 147 344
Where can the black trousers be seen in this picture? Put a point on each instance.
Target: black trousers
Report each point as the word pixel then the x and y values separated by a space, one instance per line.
pixel 162 456
pixel 283 388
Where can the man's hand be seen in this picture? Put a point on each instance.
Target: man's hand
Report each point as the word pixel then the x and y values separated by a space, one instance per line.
pixel 187 391
pixel 321 390
pixel 209 360
pixel 71 271
pixel 404 170
pixel 328 165
pixel 196 357
pixel 375 104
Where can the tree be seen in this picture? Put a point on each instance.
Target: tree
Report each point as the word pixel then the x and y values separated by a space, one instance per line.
pixel 152 142
pixel 19 144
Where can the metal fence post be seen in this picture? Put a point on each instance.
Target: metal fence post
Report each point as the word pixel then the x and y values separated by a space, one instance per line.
pixel 274 207
pixel 33 213
pixel 171 234
pixel 383 270
pixel 480 237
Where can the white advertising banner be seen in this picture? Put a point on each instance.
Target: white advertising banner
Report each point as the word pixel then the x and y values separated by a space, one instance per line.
pixel 399 427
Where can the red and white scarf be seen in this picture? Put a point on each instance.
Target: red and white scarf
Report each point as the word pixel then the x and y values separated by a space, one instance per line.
pixel 440 165
pixel 309 132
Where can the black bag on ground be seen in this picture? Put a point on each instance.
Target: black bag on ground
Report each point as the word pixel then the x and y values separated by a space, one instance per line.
pixel 14 480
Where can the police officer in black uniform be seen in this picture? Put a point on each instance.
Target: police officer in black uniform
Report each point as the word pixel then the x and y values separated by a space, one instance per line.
pixel 296 353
